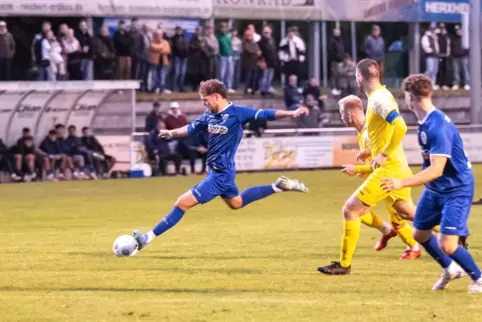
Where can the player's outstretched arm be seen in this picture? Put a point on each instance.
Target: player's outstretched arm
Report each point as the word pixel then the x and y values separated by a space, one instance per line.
pixel 176 133
pixel 281 114
pixel 434 171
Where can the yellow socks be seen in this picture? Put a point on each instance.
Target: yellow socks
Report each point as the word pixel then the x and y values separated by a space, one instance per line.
pixel 371 219
pixel 351 232
pixel 406 235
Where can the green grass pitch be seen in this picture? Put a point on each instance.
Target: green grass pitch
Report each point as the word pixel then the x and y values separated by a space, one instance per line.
pixel 255 264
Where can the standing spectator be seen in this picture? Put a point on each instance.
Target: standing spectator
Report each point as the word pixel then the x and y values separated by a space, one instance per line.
pixel 212 49
pixel 144 70
pixel 7 51
pixel 292 95
pixel 268 49
pixel 336 53
pixel 104 162
pixel 256 36
pixel 86 44
pixel 175 118
pixel 39 63
pixel 61 36
pixel 138 50
pixel 52 52
pixel 445 72
pixel 196 61
pixel 347 77
pixel 313 89
pixel 430 47
pixel 104 55
pixel 375 48
pixel 123 48
pixel 74 55
pixel 292 52
pixel 179 52
pixel 251 55
pixel 162 151
pixel 153 117
pixel 53 156
pixel 237 47
pixel 461 60
pixel 159 61
pixel 226 57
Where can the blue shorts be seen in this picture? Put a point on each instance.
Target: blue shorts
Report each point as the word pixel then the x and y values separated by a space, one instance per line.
pixel 216 184
pixel 450 211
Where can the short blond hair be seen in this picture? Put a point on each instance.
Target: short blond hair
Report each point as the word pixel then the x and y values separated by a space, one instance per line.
pixel 351 102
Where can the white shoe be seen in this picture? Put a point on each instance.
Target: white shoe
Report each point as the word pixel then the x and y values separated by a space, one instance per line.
pixel 76 175
pixel 51 177
pixel 445 88
pixel 335 92
pixel 16 177
pixel 231 91
pixel 449 274
pixel 166 91
pixel 476 286
pixel 286 184
pixel 436 87
pixel 467 87
pixel 83 176
pixel 93 176
pixel 455 87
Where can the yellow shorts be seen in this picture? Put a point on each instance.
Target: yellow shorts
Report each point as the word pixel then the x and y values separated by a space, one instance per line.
pixel 370 192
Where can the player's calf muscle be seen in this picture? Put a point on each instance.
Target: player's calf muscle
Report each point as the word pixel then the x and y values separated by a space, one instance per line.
pixel 448 243
pixel 186 201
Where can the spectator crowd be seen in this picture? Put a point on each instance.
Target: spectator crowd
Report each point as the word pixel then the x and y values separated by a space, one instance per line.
pixel 61 155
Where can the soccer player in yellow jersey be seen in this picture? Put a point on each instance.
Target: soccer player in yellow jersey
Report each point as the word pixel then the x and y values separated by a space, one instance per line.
pixel 386 129
pixel 351 112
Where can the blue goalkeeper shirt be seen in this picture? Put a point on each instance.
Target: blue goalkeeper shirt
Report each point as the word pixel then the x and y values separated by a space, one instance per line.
pixel 224 131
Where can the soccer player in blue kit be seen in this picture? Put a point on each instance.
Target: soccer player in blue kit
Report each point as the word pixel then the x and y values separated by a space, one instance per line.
pixel 449 187
pixel 223 123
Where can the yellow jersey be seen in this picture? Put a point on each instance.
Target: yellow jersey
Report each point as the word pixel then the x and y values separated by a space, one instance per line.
pixel 380 104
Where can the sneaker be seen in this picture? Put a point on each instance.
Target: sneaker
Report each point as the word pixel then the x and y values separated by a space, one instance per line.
pixel 93 176
pixel 476 286
pixel 455 87
pixel 334 268
pixel 140 238
pixel 383 242
pixel 286 184
pixel 411 254
pixel 467 87
pixel 16 177
pixel 231 91
pixel 445 88
pixel 83 176
pixel 436 87
pixel 61 176
pixel 75 175
pixel 166 91
pixel 51 177
pixel 335 92
pixel 449 274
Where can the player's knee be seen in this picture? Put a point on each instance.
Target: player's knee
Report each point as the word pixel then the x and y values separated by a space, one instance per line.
pixel 448 247
pixel 235 204
pixel 420 236
pixel 350 212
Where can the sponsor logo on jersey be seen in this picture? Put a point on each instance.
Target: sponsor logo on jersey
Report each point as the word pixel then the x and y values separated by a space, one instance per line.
pixel 217 129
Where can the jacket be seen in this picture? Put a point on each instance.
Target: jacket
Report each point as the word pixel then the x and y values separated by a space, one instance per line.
pixel 151 121
pixel 123 43
pixel 179 46
pixel 268 51
pixel 154 142
pixel 458 49
pixel 159 52
pixel 225 47
pixel 50 147
pixel 138 44
pixel 7 45
pixel 250 55
pixel 292 95
pixel 85 40
pixel 429 44
pixel 336 50
pixel 91 143
pixel 375 48
pixel 103 48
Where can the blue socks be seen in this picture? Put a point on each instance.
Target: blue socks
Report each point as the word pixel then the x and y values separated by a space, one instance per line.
pixel 256 193
pixel 462 257
pixel 169 221
pixel 432 248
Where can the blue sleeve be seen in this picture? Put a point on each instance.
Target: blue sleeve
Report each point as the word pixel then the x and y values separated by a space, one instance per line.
pixel 440 141
pixel 246 114
pixel 198 125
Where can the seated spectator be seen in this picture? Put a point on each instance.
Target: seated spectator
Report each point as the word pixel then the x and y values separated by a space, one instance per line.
pixel 347 77
pixel 193 148
pixel 162 151
pixel 175 118
pixel 53 156
pixel 292 95
pixel 153 117
pixel 5 163
pixel 80 154
pixel 257 127
pixel 314 119
pixel 68 147
pixel 313 89
pixel 24 154
pixel 103 160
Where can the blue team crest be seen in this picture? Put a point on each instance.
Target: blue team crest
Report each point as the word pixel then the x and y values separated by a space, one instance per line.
pixel 423 138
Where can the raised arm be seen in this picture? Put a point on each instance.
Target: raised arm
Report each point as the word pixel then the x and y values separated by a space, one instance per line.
pixel 247 114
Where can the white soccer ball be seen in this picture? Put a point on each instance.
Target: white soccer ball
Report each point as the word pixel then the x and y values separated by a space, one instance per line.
pixel 125 245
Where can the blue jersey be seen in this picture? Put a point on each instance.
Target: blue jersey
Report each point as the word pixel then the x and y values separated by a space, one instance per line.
pixel 224 131
pixel 437 135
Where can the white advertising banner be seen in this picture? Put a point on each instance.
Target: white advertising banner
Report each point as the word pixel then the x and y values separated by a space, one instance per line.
pixel 46 7
pixel 156 8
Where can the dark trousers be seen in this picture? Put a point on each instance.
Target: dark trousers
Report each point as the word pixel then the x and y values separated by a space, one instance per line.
pixel 251 80
pixel 444 76
pixel 5 69
pixel 212 67
pixel 75 73
pixel 193 155
pixel 163 160
pixel 5 164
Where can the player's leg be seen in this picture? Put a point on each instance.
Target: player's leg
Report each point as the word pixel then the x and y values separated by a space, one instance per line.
pixel 398 211
pixel 18 164
pixel 455 213
pixel 204 192
pixel 371 219
pixel 252 194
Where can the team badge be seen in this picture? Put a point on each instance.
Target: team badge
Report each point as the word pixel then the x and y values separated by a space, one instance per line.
pixel 423 137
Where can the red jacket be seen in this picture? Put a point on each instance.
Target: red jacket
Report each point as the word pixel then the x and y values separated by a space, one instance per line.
pixel 175 122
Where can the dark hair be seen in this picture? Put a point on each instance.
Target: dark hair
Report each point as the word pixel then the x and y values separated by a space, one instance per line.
pixel 85 128
pixel 72 127
pixel 122 22
pixel 419 85
pixel 134 20
pixel 156 104
pixel 52 132
pixel 368 68
pixel 212 86
pixel 25 130
pixel 59 126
